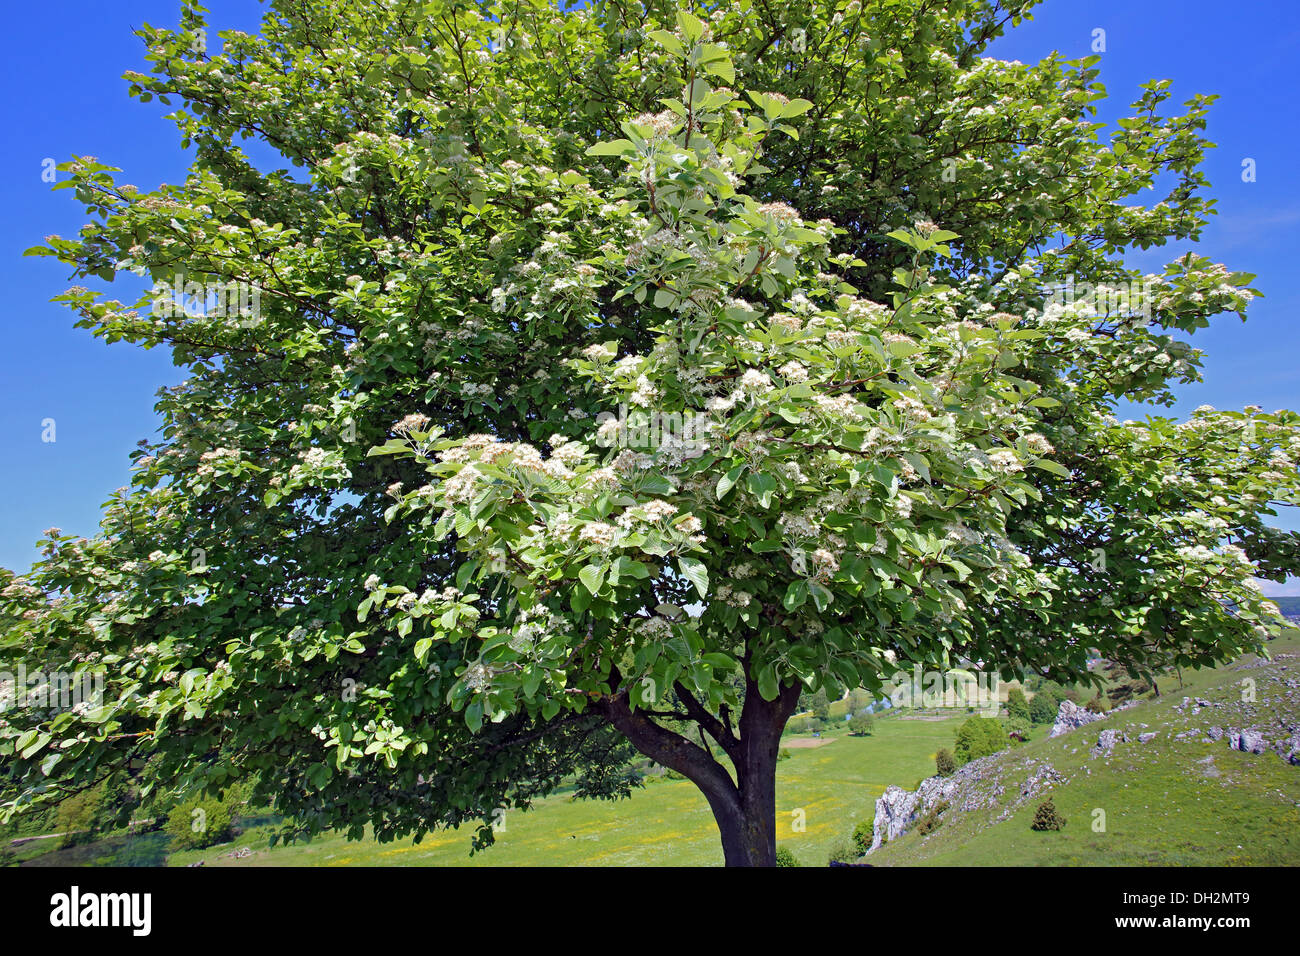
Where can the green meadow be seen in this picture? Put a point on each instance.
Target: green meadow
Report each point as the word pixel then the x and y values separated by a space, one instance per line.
pixel 827 789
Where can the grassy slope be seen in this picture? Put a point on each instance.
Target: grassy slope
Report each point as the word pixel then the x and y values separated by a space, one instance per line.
pixel 1165 803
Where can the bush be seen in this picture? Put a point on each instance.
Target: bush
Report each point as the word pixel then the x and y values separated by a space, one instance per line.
pixel 785 858
pixel 199 822
pixel 979 737
pixel 783 754
pixel 1017 704
pixel 1019 725
pixel 861 725
pixel 932 819
pixel 945 764
pixel 842 852
pixel 76 818
pixel 1043 708
pixel 1130 690
pixel 1098 705
pixel 1046 817
pixel 862 836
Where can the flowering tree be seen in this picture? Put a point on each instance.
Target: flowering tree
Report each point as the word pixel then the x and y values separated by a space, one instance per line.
pixel 611 376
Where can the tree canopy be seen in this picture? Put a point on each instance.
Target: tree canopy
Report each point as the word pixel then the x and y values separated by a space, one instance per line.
pixel 609 376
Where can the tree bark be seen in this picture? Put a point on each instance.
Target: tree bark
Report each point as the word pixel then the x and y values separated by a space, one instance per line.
pixel 744 807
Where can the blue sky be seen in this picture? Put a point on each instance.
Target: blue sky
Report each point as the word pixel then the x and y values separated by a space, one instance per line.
pixel 63 72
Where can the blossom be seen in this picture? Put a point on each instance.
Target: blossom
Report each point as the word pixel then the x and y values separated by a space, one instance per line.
pixel 598 533
pixel 1004 460
pixel 416 422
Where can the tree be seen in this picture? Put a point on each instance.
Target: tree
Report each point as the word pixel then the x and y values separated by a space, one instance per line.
pixel 978 737
pixel 1017 704
pixel 199 822
pixel 591 382
pixel 1046 817
pixel 1043 707
pixel 821 707
pixel 861 724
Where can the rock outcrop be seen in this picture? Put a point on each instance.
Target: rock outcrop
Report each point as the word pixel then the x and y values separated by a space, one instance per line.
pixel 1107 740
pixel 1070 717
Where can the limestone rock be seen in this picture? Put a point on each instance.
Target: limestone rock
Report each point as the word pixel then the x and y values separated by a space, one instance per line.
pixel 1071 716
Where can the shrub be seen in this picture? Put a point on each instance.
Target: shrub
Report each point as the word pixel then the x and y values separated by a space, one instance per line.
pixel 862 836
pixel 1046 817
pixel 76 818
pixel 979 737
pixel 1019 725
pixel 199 822
pixel 861 725
pixel 1017 704
pixel 1130 690
pixel 1099 704
pixel 784 754
pixel 842 852
pixel 1043 708
pixel 945 764
pixel 932 819
pixel 785 858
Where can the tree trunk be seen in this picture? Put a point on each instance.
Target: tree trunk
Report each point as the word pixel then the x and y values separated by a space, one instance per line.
pixel 744 807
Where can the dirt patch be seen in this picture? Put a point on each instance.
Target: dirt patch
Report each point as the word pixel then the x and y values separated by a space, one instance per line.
pixel 807 743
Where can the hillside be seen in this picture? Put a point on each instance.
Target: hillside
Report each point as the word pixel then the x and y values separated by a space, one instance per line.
pixel 1184 797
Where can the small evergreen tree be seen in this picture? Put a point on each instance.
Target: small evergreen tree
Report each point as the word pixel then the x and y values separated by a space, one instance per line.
pixel 1046 817
pixel 786 858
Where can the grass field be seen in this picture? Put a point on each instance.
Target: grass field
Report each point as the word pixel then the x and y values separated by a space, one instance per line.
pixel 667 823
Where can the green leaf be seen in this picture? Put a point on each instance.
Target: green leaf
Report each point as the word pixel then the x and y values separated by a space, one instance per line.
pixel 691 27
pixel 762 486
pixel 796 595
pixel 694 571
pixel 618 147
pixel 728 481
pixel 1052 467
pixel 592 576
pixel 667 41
